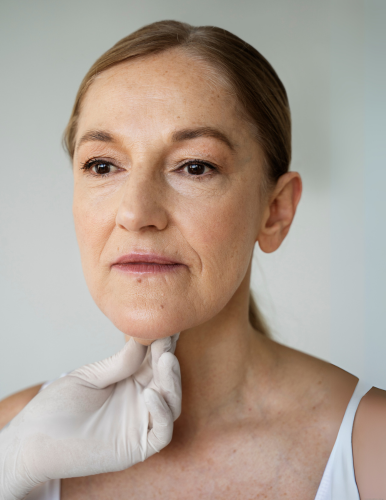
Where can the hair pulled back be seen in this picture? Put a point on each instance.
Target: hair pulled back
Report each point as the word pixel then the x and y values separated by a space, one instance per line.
pixel 252 79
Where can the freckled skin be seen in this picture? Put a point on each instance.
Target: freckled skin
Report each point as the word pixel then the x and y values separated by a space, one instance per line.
pixel 210 225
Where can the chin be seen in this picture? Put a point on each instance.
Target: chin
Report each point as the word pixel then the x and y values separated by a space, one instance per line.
pixel 145 324
pixel 147 317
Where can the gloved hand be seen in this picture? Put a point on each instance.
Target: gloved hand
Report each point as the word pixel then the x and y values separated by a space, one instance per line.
pixel 102 417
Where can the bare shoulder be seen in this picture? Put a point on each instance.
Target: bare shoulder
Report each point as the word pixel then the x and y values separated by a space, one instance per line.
pixel 13 404
pixel 369 444
pixel 317 378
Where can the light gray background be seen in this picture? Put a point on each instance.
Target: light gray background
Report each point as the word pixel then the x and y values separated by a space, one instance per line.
pixel 324 291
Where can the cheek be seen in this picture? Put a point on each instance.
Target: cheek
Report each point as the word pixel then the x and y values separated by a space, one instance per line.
pixel 94 220
pixel 222 230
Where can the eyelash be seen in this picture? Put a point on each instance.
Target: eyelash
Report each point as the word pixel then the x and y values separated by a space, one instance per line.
pixel 86 166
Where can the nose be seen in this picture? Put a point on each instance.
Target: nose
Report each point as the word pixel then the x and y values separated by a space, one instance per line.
pixel 143 203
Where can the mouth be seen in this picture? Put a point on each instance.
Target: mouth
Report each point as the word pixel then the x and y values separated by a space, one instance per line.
pixel 146 263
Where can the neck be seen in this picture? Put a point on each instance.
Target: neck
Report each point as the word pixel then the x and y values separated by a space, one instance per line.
pixel 220 362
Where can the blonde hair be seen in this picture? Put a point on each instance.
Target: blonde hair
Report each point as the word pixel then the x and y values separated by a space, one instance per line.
pixel 254 82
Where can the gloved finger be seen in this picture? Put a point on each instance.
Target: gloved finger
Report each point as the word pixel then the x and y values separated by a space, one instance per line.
pixel 158 347
pixel 174 338
pixel 170 382
pixel 117 367
pixel 161 433
pixel 149 369
pixel 144 374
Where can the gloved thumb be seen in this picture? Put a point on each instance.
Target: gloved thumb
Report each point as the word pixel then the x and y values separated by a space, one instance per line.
pixel 117 367
pixel 158 348
pixel 169 380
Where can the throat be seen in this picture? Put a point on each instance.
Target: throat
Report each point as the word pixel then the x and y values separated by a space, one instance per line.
pixel 218 369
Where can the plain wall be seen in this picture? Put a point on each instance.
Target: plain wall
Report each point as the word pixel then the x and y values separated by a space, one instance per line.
pixel 323 291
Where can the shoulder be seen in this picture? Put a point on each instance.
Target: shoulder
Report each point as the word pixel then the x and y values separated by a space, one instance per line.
pixel 369 444
pixel 317 380
pixel 13 404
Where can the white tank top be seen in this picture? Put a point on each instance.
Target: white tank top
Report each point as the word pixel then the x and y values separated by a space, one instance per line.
pixel 338 481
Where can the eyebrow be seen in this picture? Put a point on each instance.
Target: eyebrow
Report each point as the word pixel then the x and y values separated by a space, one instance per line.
pixel 193 133
pixel 96 136
pixel 177 136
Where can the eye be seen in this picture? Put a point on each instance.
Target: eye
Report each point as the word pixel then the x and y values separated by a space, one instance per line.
pixel 198 168
pixel 99 167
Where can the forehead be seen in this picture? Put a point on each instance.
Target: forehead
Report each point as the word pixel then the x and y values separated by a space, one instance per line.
pixel 153 93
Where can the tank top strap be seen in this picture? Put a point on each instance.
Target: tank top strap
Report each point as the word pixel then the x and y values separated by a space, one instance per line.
pixel 338 481
pixel 343 481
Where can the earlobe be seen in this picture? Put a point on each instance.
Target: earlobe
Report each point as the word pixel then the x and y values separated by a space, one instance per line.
pixel 280 212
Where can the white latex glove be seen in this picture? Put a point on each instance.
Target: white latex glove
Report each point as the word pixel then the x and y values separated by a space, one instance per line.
pixel 94 420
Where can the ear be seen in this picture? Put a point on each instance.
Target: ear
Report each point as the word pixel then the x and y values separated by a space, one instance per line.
pixel 279 212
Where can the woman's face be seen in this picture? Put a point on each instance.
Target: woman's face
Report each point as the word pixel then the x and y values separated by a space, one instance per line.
pixel 166 171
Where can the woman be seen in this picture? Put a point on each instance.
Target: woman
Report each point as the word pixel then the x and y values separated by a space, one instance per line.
pixel 180 142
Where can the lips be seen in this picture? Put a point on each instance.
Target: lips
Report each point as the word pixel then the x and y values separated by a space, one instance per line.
pixel 146 263
pixel 145 258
